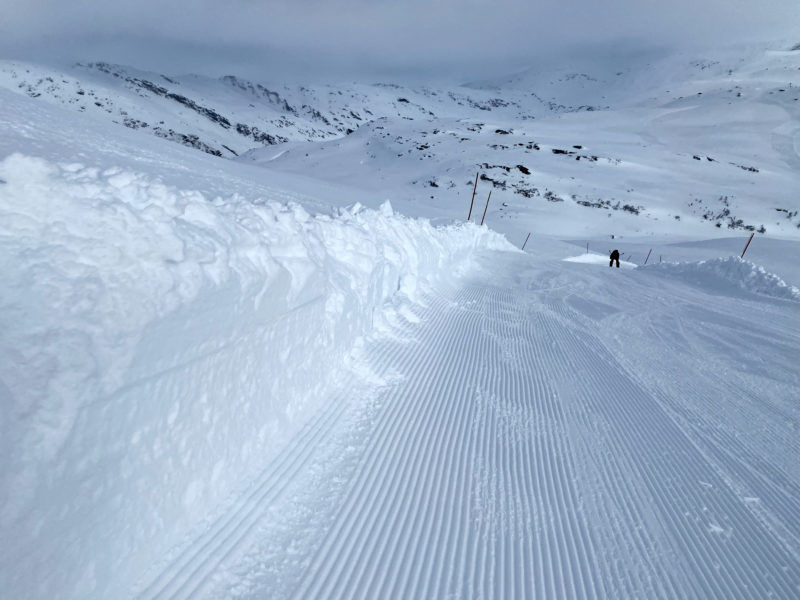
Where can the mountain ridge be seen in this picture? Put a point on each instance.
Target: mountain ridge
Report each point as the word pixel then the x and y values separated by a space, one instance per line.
pixel 660 137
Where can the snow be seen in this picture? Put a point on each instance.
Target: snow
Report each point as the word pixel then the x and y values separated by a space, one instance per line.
pixel 598 259
pixel 297 374
pixel 729 272
pixel 116 357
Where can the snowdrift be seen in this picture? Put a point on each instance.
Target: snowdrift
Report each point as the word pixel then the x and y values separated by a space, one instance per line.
pixel 156 344
pixel 722 275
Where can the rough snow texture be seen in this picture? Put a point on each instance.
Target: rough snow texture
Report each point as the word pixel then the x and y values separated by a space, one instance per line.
pixel 156 344
pixel 729 272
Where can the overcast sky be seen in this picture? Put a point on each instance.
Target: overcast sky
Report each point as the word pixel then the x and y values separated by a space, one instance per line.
pixel 352 38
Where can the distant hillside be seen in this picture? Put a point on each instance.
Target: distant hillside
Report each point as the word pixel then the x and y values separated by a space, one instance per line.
pixel 642 140
pixel 230 115
pixel 700 145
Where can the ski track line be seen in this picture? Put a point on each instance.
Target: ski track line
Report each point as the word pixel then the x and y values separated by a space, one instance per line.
pixel 190 571
pixel 527 453
pixel 423 419
pixel 743 421
pixel 730 570
pixel 564 493
pixel 612 472
pixel 744 470
pixel 392 432
pixel 392 537
pixel 630 554
pixel 742 461
pixel 471 485
pixel 730 407
pixel 615 413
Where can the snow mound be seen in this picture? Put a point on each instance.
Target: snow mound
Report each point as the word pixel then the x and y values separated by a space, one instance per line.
pixel 156 344
pixel 722 274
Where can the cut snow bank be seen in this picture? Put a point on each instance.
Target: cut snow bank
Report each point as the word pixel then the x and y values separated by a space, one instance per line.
pixel 157 344
pixel 724 274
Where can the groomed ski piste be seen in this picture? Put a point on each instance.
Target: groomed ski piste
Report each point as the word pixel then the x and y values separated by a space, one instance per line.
pixel 219 382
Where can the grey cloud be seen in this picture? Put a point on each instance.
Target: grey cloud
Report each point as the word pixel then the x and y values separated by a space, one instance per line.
pixel 359 36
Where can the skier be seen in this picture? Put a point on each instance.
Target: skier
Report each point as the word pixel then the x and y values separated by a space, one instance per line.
pixel 614 257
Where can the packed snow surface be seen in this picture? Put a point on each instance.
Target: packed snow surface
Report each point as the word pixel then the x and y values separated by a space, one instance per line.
pixel 224 380
pixel 598 259
pixel 205 320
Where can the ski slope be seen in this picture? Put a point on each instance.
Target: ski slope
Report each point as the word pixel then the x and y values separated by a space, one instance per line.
pixel 541 430
pixel 258 379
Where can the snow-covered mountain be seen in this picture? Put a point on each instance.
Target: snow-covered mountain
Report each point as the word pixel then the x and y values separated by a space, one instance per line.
pixel 229 115
pixel 229 368
pixel 710 143
pixel 649 139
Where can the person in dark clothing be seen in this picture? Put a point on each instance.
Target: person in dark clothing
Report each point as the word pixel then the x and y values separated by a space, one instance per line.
pixel 614 257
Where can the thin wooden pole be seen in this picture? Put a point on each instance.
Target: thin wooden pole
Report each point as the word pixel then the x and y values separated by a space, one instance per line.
pixel 747 244
pixel 474 188
pixel 587 247
pixel 526 241
pixel 648 256
pixel 487 206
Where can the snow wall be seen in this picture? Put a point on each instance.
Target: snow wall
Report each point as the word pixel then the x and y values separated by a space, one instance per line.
pixel 157 344
pixel 728 275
